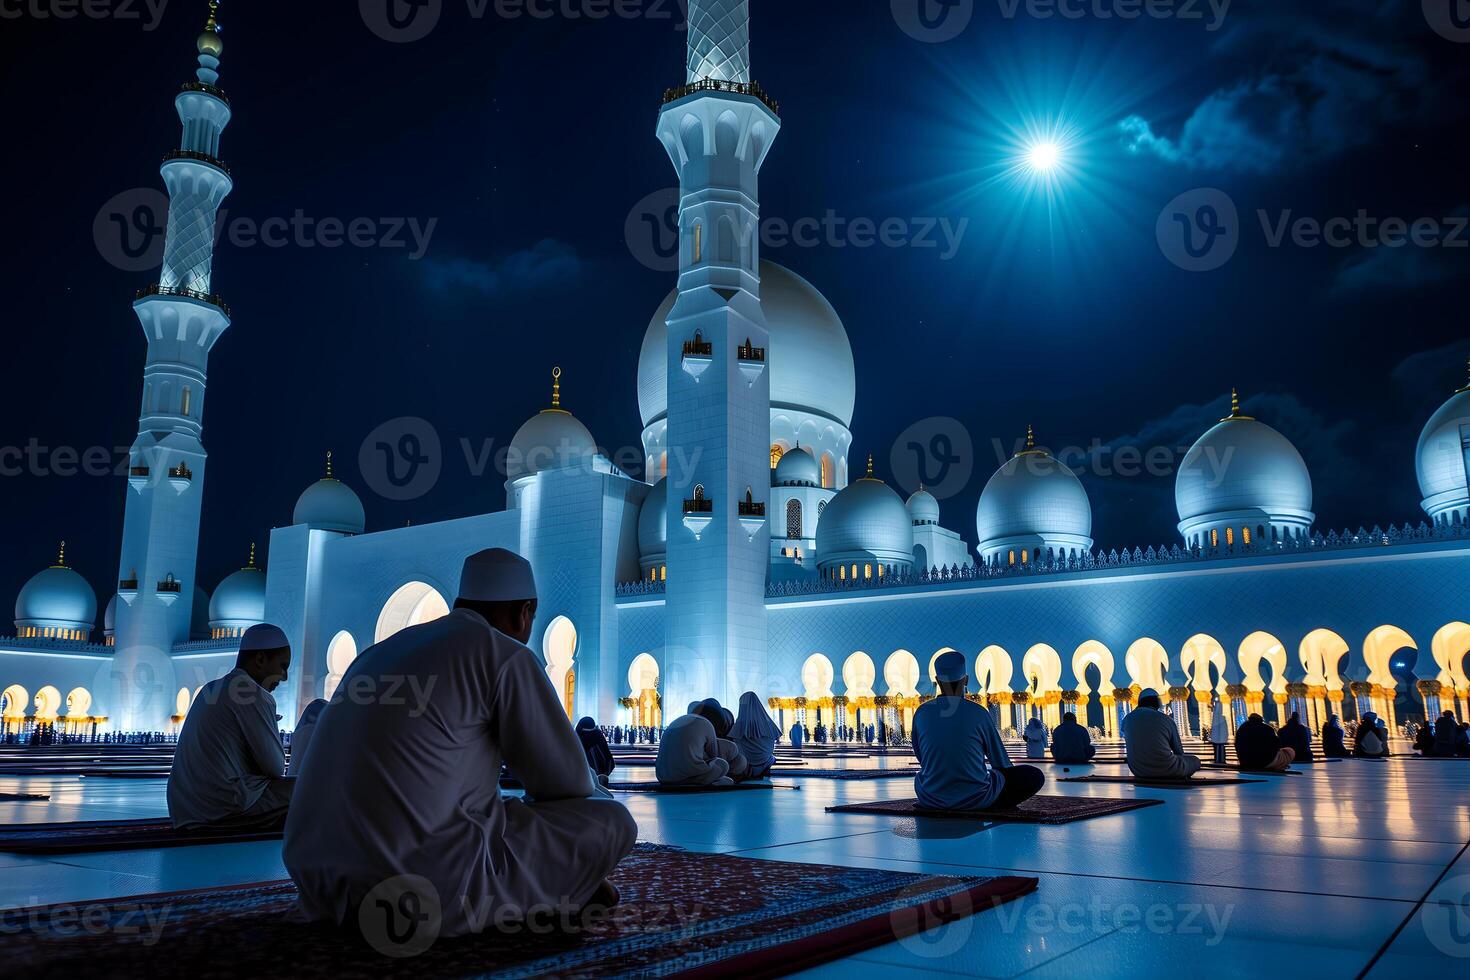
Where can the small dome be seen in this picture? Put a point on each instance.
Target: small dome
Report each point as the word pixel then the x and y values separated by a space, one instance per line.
pixel 923 508
pixel 653 525
pixel 330 505
pixel 109 617
pixel 867 520
pixel 239 602
pixel 798 468
pixel 56 598
pixel 199 615
pixel 809 354
pixel 1033 500
pixel 1243 470
pixel 1440 458
pixel 552 439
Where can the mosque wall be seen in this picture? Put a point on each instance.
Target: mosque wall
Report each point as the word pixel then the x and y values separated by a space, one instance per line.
pixel 26 673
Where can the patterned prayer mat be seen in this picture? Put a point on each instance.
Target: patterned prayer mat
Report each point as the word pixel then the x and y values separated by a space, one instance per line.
pixel 1194 783
pixel 655 787
pixel 682 914
pixel 843 773
pixel 1210 767
pixel 113 835
pixel 1038 809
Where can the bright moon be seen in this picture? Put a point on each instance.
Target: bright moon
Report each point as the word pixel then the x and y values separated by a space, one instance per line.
pixel 1043 157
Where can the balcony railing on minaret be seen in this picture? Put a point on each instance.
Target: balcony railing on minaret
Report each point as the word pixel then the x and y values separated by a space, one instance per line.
pixel 752 89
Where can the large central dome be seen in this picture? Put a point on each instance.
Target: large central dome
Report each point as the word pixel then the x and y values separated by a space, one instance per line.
pixel 811 360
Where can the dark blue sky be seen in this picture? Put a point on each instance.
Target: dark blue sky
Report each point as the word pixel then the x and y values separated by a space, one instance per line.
pixel 527 142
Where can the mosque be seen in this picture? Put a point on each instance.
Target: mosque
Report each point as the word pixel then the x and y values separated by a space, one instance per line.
pixel 764 554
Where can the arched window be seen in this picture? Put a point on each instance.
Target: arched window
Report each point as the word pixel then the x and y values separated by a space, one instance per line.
pixel 793 519
pixel 1229 537
pixel 1025 555
pixel 842 572
pixel 185 401
pixel 699 491
pixel 1214 539
pixel 1245 535
pixel 829 479
pixel 776 453
pixel 698 255
pixel 821 506
pixel 867 570
pixel 854 571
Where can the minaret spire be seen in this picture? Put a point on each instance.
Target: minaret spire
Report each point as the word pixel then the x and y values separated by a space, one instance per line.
pixel 719 41
pixel 61 555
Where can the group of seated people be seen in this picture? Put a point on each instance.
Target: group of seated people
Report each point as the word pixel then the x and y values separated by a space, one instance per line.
pixel 1446 739
pixel 709 746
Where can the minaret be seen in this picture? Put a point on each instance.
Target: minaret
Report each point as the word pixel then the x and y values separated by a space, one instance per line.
pixel 181 319
pixel 717 129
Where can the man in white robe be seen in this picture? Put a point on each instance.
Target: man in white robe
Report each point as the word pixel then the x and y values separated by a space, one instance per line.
pixel 689 754
pixel 228 767
pixel 1151 738
pixel 403 776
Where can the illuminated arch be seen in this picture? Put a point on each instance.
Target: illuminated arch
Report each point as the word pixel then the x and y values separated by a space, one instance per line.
pixel 411 605
pixel 182 701
pixel 1378 649
pixel 48 703
pixel 78 703
pixel 1258 648
pixel 858 675
pixel 901 674
pixel 1449 646
pixel 559 650
pixel 643 674
pixel 816 677
pixel 17 701
pixel 1200 653
pixel 1321 654
pixel 1095 654
pixel 1042 668
pixel 340 654
pixel 1146 662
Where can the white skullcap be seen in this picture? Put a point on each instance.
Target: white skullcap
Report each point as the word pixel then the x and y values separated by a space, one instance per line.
pixel 263 636
pixel 496 575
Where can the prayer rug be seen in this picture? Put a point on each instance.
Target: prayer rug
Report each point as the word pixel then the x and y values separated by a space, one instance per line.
pixel 682 914
pixel 1194 783
pixel 23 797
pixel 656 787
pixel 843 773
pixel 1038 809
pixel 114 835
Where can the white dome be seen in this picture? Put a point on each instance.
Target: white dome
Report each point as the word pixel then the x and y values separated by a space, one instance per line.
pixel 797 468
pixel 1440 457
pixel 809 354
pixel 56 597
pixel 239 602
pixel 867 520
pixel 653 525
pixel 1243 469
pixel 923 508
pixel 550 440
pixel 1034 496
pixel 330 505
pixel 109 616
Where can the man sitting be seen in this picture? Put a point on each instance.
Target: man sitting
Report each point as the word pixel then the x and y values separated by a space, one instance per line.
pixel 1334 739
pixel 1152 742
pixel 1258 748
pixel 1446 735
pixel 723 723
pixel 401 786
pixel 228 769
pixel 1070 742
pixel 1297 737
pixel 689 754
pixel 953 739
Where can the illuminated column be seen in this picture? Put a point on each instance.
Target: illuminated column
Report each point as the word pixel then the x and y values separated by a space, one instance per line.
pixel 1238 705
pixel 1073 703
pixel 840 719
pixel 1296 701
pixel 1362 693
pixel 1463 693
pixel 1110 714
pixel 1123 699
pixel 1179 707
pixel 1021 709
pixel 1206 701
pixel 1429 693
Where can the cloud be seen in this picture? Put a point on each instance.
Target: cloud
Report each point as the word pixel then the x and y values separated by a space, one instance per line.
pixel 547 263
pixel 1311 83
pixel 1406 266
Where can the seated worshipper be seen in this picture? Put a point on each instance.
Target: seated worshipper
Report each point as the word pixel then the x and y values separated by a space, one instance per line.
pixel 594 744
pixel 1462 744
pixel 1035 735
pixel 953 739
pixel 1424 739
pixel 229 766
pixel 723 721
pixel 1446 735
pixel 1258 747
pixel 301 737
pixel 689 754
pixel 1297 737
pixel 1367 743
pixel 1219 733
pixel 755 735
pixel 403 776
pixel 1334 739
pixel 1070 742
pixel 1382 727
pixel 1151 740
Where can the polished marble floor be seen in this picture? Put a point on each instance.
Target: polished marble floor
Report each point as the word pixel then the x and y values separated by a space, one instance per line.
pixel 1355 868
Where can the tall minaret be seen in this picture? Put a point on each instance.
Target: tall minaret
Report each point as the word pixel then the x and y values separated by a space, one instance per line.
pixel 181 319
pixel 717 129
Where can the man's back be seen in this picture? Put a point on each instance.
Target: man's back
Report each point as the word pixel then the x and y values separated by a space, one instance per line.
pixel 1256 745
pixel 1070 740
pixel 1153 746
pixel 953 737
pixel 228 752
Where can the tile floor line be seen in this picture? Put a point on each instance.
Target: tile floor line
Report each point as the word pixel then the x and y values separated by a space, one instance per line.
pixel 1412 912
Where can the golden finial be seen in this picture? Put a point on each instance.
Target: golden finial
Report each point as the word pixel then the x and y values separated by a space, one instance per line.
pixel 251 564
pixel 1030 437
pixel 213 23
pixel 870 466
pixel 556 387
pixel 329 465
pixel 61 555
pixel 1235 415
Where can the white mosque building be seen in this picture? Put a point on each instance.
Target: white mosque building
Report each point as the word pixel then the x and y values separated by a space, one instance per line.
pixel 756 559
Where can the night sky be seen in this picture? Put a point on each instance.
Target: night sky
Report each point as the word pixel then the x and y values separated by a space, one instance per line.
pixel 527 142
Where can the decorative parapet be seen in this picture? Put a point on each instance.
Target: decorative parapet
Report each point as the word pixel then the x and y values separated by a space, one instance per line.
pixel 227 644
pixel 1163 557
pixel 641 587
pixel 751 89
pixel 54 645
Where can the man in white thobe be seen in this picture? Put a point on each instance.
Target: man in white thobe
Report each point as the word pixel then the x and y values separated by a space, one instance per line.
pixel 1152 741
pixel 403 775
pixel 228 766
